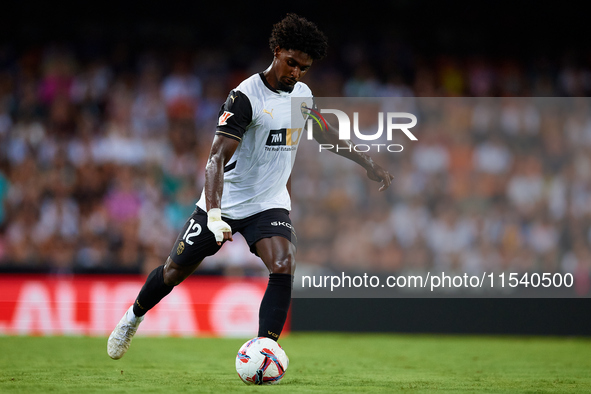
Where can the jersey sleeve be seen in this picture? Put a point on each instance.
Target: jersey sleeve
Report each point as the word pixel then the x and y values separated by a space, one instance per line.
pixel 235 116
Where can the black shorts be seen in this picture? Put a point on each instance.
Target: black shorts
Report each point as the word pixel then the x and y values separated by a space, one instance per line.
pixel 195 241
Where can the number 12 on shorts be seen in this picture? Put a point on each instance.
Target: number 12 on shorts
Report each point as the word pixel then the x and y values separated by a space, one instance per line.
pixel 192 226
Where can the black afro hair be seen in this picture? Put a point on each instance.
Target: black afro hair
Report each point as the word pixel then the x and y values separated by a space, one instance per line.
pixel 298 33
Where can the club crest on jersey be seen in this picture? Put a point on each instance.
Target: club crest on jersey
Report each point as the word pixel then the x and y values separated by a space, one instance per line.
pixel 223 120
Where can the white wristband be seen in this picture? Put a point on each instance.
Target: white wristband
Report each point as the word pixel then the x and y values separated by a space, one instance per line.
pixel 214 214
pixel 216 225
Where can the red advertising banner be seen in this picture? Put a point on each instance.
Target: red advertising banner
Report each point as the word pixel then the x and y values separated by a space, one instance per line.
pixel 92 305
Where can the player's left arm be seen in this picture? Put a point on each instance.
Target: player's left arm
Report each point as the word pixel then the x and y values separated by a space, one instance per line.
pixel 374 171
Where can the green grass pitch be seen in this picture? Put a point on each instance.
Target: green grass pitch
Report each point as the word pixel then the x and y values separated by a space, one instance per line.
pixel 322 363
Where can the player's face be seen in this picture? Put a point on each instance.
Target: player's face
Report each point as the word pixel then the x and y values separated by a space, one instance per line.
pixel 290 66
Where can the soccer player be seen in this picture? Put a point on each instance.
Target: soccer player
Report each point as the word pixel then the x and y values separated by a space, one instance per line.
pixel 246 182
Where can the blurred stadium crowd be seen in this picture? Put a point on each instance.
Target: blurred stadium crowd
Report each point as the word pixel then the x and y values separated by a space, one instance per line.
pixel 102 158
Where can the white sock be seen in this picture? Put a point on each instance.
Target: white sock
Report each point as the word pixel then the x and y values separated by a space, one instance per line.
pixel 131 317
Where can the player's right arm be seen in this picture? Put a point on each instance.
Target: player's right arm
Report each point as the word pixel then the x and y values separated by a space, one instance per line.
pixel 221 151
pixel 234 117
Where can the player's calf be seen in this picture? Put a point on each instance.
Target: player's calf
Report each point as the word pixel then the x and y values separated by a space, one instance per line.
pixel 275 305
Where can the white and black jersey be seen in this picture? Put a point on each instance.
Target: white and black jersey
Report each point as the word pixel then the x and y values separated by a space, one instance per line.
pixel 260 118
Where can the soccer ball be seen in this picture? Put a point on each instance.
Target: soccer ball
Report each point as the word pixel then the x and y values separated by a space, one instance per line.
pixel 261 361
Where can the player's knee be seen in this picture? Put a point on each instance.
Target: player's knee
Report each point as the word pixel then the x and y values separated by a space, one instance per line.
pixel 172 281
pixel 284 265
pixel 173 276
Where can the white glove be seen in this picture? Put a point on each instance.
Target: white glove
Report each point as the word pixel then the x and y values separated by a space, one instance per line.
pixel 216 225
